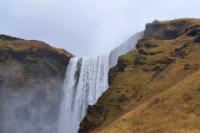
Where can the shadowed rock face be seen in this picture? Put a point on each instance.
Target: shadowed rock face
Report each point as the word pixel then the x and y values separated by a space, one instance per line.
pixel 8 38
pixel 31 78
pixel 167 30
pixel 153 88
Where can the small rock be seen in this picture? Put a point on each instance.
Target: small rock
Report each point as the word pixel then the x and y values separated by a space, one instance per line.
pixel 197 38
pixel 187 66
pixel 194 32
pixel 141 51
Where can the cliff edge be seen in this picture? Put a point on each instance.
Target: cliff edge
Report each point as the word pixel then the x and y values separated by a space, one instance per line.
pixel 154 88
pixel 31 78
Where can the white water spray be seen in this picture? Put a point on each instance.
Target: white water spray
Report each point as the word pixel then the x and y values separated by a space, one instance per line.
pixel 86 80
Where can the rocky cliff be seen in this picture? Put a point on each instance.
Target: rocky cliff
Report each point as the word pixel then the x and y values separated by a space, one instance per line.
pixel 154 88
pixel 31 75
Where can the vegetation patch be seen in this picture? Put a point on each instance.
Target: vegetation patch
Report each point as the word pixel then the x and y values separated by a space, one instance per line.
pixel 139 60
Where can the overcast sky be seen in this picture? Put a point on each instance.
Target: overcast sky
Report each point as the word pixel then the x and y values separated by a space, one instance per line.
pixel 87 27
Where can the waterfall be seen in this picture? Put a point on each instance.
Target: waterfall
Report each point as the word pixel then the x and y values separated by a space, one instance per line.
pixel 86 79
pixel 124 48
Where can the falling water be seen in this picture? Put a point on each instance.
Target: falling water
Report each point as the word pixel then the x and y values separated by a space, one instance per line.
pixel 86 80
pixel 124 48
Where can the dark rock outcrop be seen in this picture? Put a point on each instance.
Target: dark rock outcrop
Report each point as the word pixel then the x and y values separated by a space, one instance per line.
pixel 166 30
pixel 8 38
pixel 197 38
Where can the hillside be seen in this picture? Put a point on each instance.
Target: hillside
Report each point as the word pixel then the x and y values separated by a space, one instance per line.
pixel 31 75
pixel 31 60
pixel 154 88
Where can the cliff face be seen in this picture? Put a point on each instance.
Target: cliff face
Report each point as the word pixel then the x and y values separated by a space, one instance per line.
pixel 155 88
pixel 31 77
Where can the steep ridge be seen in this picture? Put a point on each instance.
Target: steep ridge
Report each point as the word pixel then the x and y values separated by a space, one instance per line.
pixel 86 80
pixel 155 88
pixel 31 75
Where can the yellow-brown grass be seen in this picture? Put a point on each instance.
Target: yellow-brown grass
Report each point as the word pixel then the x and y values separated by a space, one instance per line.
pixel 158 93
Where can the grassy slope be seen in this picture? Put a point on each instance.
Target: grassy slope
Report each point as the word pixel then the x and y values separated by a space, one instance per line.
pixel 26 63
pixel 153 89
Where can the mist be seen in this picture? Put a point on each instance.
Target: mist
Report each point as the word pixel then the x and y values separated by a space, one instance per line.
pixel 29 105
pixel 87 28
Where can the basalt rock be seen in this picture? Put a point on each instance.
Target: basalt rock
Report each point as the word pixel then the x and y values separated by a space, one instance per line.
pixel 166 30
